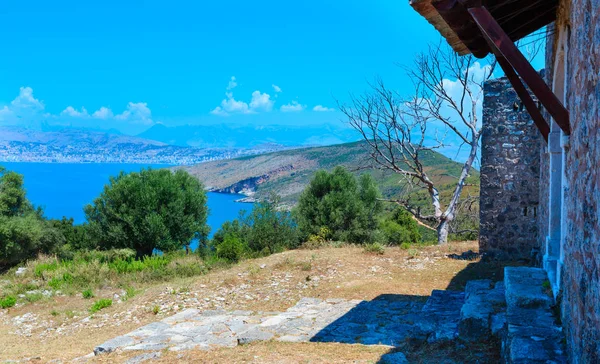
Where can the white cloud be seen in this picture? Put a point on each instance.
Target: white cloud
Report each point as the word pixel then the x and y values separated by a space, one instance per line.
pixel 322 108
pixel 25 100
pixel 232 84
pixel 261 102
pixel 136 112
pixel 294 106
pixel 276 88
pixel 103 113
pixel 72 112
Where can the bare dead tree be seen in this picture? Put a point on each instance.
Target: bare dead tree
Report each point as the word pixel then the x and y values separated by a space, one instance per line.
pixel 401 132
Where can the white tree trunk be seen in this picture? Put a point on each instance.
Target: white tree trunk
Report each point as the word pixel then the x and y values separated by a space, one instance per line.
pixel 442 231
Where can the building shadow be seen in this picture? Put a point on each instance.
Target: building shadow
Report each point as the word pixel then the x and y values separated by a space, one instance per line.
pixel 389 319
pixel 398 321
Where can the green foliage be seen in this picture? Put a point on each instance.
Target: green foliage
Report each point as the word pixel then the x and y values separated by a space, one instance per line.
pixel 270 230
pixel 264 231
pixel 374 248
pixel 12 195
pixel 100 304
pixel 77 237
pixel 8 301
pixel 231 248
pixel 87 293
pixel 400 228
pixel 23 230
pixel 152 209
pixel 337 201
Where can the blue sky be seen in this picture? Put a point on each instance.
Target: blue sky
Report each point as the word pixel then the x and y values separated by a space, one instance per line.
pixel 133 63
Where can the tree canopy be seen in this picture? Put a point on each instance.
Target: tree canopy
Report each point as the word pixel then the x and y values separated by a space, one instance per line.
pixel 345 206
pixel 152 209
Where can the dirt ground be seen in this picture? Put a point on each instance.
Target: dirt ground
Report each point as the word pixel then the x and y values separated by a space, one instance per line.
pixel 61 328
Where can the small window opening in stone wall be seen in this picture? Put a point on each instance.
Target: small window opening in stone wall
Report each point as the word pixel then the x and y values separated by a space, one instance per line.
pixel 524 211
pixel 535 212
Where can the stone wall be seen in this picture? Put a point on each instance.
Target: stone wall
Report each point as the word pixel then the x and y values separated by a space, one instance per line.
pixel 509 174
pixel 581 250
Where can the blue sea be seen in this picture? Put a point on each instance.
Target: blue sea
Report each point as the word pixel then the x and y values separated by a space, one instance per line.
pixel 62 189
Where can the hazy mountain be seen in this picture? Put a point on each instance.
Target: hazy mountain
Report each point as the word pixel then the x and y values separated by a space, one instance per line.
pixel 82 145
pixel 248 136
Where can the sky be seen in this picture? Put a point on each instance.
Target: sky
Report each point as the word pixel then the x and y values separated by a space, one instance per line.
pixel 128 64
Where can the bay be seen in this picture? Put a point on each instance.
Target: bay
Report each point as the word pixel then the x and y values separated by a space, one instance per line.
pixel 63 189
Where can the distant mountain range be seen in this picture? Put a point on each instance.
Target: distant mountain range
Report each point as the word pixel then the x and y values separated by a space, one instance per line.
pixel 85 146
pixel 249 136
pixel 159 144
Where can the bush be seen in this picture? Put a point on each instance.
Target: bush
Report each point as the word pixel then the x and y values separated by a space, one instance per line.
pixel 348 208
pixel 231 248
pixel 100 304
pixel 400 228
pixel 152 209
pixel 264 231
pixel 87 294
pixel 23 230
pixel 8 301
pixel 374 248
pixel 270 230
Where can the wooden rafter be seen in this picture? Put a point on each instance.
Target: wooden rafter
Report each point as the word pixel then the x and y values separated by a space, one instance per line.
pixel 513 62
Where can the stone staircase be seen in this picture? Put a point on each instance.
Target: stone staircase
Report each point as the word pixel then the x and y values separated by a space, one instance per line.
pixel 518 312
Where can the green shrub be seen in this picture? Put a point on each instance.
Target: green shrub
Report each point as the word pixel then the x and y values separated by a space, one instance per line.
pixel 8 301
pixel 100 304
pixel 348 208
pixel 374 248
pixel 400 228
pixel 87 294
pixel 148 210
pixel 405 246
pixel 231 249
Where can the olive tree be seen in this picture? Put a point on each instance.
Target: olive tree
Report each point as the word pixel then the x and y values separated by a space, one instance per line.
pixel 152 209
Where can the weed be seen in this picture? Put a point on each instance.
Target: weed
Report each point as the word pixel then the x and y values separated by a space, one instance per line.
pixel 54 313
pixel 70 314
pixel 253 270
pixel 156 309
pixel 306 266
pixel 55 283
pixel 412 252
pixel 405 246
pixel 8 301
pixel 34 297
pixel 374 248
pixel 87 294
pixel 130 292
pixel 100 304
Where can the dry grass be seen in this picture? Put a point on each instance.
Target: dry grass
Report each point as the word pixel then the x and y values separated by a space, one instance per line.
pixel 326 273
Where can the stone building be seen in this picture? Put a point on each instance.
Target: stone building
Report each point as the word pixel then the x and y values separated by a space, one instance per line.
pixel 510 175
pixel 566 220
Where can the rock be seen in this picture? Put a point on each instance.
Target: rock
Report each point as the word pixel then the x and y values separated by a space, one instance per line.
pixel 113 344
pixel 144 357
pixel 393 358
pixel 253 335
pixel 263 266
pixel 21 271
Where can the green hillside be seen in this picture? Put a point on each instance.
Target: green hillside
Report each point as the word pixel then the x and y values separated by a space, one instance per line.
pixel 288 172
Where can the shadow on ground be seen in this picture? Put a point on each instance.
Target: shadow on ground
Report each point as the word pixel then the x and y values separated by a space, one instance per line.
pixel 400 321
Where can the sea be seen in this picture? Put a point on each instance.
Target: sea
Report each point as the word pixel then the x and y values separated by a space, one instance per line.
pixel 63 189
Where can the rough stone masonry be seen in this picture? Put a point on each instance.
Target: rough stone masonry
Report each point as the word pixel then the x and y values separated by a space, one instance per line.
pixel 510 171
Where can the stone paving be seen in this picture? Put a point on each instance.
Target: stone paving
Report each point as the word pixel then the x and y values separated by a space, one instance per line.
pixel 386 320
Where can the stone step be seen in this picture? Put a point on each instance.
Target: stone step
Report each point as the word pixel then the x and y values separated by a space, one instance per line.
pixel 532 335
pixel 484 311
pixel 440 315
